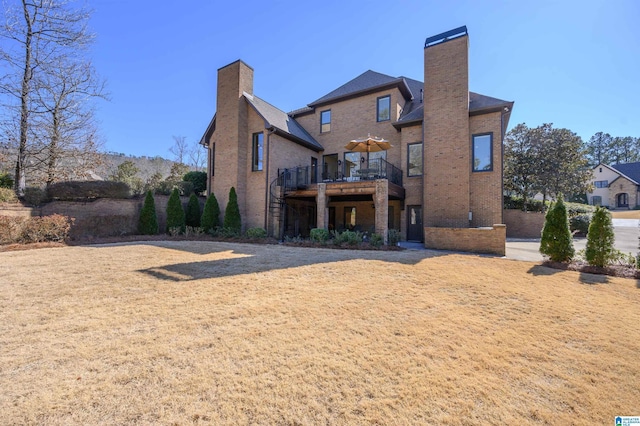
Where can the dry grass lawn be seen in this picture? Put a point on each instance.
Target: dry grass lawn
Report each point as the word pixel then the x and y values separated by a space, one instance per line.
pixel 625 214
pixel 219 333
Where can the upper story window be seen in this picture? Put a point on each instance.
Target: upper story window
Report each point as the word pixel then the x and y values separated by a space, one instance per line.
pixel 325 121
pixel 257 147
pixel 483 152
pixel 601 183
pixel 384 108
pixel 414 159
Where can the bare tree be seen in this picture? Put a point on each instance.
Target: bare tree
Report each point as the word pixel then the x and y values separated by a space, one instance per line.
pixel 70 147
pixel 179 149
pixel 198 156
pixel 34 32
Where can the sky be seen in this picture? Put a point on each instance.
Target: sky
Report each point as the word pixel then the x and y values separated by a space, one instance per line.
pixel 575 64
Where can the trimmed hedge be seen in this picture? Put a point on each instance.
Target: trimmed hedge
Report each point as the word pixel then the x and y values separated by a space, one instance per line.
pixel 175 213
pixel 232 220
pixel 192 213
pixel 556 242
pixel 148 223
pixel 210 214
pixel 82 190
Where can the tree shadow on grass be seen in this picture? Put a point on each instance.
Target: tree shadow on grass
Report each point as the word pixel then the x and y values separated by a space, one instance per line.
pixel 585 277
pixel 242 259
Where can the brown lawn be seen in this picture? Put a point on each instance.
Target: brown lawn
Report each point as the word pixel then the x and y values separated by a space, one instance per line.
pixel 626 214
pixel 219 333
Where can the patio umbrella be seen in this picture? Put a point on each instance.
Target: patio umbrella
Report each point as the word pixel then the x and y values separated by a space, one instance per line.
pixel 368 144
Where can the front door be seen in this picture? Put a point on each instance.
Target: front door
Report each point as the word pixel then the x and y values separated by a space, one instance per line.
pixel 414 223
pixel 623 200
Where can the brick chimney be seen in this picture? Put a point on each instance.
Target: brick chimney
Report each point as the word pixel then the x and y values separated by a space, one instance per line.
pixel 231 136
pixel 447 149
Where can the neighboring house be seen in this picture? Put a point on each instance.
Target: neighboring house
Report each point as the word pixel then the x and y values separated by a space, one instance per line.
pixel 616 186
pixel 293 173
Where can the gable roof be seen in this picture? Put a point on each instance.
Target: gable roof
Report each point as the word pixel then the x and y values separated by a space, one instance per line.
pixel 367 82
pixel 629 170
pixel 282 123
pixel 371 81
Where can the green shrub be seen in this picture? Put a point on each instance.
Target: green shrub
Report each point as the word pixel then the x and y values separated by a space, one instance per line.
pixel 210 214
pixel 7 195
pixel 556 242
pixel 256 233
pixel 35 196
pixel 148 223
pixel 232 220
pixel 319 235
pixel 351 238
pixel 517 203
pixel 80 190
pixel 393 237
pixel 175 212
pixel 376 240
pixel 198 180
pixel 580 224
pixel 192 213
pixel 600 239
pixel 6 181
pixel 225 232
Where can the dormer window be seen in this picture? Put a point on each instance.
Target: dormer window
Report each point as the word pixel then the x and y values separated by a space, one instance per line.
pixel 384 108
pixel 325 121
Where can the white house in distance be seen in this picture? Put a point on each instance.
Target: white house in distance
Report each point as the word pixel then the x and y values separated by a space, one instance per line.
pixel 616 186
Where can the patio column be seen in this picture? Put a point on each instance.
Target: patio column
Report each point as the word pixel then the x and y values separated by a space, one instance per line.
pixel 321 206
pixel 381 202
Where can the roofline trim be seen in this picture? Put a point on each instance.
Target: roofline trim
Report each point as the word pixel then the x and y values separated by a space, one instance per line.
pixel 446 36
pixel 293 138
pixel 400 83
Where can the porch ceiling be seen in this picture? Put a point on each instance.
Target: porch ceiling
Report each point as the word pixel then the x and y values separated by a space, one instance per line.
pixel 349 188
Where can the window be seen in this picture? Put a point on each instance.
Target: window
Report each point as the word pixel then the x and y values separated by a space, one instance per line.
pixel 414 159
pixel 601 183
pixel 349 217
pixel 596 200
pixel 483 152
pixel 352 164
pixel 384 108
pixel 325 121
pixel 257 150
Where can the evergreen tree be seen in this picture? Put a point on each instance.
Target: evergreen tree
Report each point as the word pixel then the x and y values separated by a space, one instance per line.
pixel 600 239
pixel 175 212
pixel 232 220
pixel 192 214
pixel 210 214
pixel 148 223
pixel 557 242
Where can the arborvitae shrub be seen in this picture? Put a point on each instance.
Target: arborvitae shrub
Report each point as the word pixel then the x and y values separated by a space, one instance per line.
pixel 175 212
pixel 557 242
pixel 192 214
pixel 232 220
pixel 148 223
pixel 210 214
pixel 600 239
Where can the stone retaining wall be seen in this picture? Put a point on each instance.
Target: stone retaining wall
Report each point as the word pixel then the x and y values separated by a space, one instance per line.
pixel 103 217
pixel 476 240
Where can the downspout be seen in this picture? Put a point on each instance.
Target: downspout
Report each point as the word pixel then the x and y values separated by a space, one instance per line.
pixel 504 111
pixel 270 130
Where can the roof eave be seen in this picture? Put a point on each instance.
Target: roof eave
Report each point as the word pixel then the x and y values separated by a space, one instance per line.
pixel 278 131
pixel 204 141
pixel 400 124
pixel 400 83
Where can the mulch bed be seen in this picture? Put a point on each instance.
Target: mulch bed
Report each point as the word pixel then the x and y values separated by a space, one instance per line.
pixel 614 271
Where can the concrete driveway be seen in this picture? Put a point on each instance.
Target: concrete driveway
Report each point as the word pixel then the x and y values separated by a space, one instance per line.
pixel 627 232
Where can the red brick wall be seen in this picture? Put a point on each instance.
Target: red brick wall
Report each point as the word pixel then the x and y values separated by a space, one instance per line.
pixel 476 240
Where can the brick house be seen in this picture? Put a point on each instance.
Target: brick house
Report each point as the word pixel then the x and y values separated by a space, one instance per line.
pixel 616 186
pixel 292 172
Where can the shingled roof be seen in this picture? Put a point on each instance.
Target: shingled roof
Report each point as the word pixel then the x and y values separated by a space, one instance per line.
pixel 282 123
pixel 630 170
pixel 371 81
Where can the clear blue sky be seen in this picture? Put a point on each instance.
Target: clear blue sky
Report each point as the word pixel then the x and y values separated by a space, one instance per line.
pixel 573 63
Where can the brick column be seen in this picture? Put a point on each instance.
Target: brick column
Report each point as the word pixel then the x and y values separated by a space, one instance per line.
pixel 321 206
pixel 381 202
